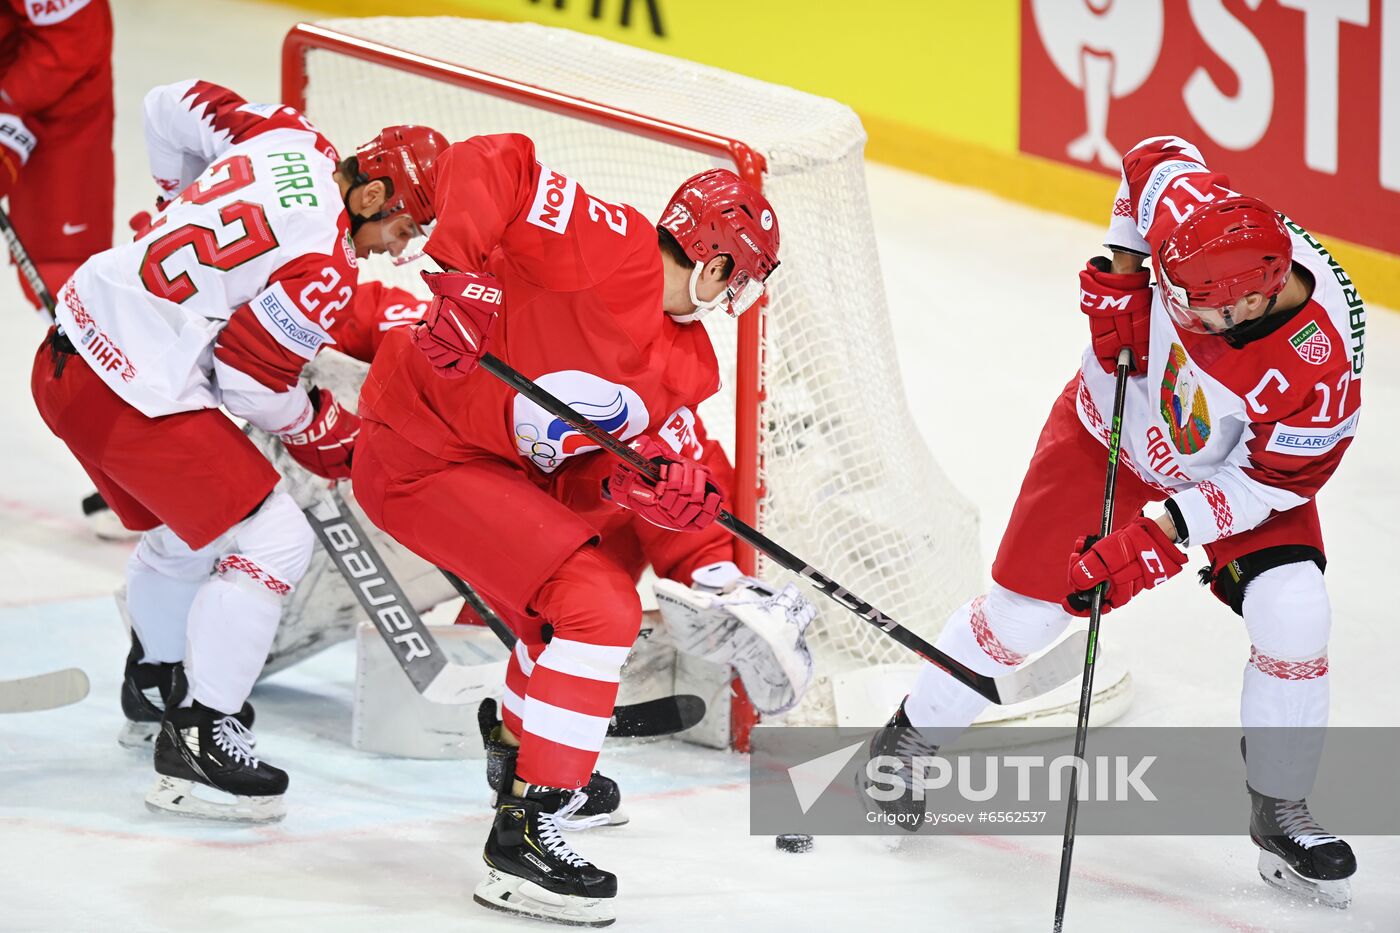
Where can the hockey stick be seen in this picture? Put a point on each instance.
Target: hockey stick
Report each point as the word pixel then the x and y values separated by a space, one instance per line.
pixel 662 716
pixel 1059 665
pixel 43 691
pixel 26 265
pixel 70 685
pixel 1086 690
pixel 414 648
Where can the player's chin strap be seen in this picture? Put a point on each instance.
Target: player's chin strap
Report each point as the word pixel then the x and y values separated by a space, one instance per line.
pixel 702 308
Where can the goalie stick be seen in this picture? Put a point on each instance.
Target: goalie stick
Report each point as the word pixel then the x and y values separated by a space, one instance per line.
pixel 1057 666
pixel 43 691
pixel 416 650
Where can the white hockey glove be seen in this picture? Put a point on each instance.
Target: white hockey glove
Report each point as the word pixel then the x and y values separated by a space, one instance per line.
pixel 732 619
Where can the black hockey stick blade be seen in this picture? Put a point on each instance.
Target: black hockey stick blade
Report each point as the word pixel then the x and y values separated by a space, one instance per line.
pixel 663 716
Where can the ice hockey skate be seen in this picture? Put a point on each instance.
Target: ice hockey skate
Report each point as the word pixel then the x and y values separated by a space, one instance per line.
pixel 1297 855
pixel 742 621
pixel 206 768
pixel 899 739
pixel 604 797
pixel 146 689
pixel 533 871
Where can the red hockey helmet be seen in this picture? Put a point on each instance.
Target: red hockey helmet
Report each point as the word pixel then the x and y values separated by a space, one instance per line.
pixel 406 155
pixel 1217 255
pixel 716 212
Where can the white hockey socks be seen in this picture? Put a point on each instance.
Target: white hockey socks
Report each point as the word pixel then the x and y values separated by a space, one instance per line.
pixel 991 634
pixel 1284 702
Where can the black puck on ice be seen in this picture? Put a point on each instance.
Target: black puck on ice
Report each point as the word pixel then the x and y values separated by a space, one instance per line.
pixel 794 842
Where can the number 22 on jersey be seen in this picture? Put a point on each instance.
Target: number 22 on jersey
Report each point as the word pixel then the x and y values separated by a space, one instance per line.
pixel 256 238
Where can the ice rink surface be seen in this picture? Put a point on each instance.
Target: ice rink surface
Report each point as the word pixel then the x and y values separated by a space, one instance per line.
pixel 983 295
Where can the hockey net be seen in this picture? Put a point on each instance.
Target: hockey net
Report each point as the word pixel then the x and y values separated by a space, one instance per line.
pixel 830 463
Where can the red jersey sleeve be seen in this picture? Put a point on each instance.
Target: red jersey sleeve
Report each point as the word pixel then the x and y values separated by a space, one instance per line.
pixel 60 46
pixel 1164 179
pixel 376 309
pixel 481 188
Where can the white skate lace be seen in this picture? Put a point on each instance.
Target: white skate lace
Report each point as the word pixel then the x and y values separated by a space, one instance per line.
pixel 1295 820
pixel 912 743
pixel 236 741
pixel 563 820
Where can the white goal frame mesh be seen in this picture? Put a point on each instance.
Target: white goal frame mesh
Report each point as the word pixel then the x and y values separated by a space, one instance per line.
pixel 829 461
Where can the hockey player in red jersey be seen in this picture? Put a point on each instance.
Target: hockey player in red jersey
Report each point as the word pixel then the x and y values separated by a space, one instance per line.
pixel 220 303
pixel 1245 393
pixel 56 115
pixel 596 304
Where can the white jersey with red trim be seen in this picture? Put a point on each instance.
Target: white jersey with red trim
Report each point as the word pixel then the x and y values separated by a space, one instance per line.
pixel 234 286
pixel 1233 434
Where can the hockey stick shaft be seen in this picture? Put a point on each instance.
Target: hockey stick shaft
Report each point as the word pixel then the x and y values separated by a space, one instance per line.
pixel 986 686
pixel 661 716
pixel 26 265
pixel 1086 690
pixel 980 682
pixel 417 651
pixel 480 607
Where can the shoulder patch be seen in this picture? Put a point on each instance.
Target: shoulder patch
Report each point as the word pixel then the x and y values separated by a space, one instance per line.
pixel 52 12
pixel 554 201
pixel 1311 343
pixel 281 317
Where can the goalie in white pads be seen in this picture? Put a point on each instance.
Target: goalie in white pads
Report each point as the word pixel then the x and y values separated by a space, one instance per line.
pixel 220 302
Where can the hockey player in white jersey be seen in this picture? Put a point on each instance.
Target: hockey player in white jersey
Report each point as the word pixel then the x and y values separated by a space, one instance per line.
pixel 1245 392
pixel 220 303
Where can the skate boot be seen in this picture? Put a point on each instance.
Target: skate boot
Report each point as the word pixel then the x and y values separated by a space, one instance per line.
pixel 201 749
pixel 604 797
pixel 900 740
pixel 146 688
pixel 533 871
pixel 1297 855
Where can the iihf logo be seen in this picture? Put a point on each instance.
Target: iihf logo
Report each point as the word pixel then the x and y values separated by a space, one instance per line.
pixel 548 441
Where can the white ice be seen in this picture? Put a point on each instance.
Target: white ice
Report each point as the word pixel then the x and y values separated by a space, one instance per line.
pixel 982 294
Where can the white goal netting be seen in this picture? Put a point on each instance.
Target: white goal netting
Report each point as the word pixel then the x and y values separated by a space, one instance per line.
pixel 847 483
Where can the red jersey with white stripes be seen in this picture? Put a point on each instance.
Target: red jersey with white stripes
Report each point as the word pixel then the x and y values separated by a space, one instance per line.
pixel 231 290
pixel 582 317
pixel 1234 434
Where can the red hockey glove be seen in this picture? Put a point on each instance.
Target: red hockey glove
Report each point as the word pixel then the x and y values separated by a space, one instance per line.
pixel 453 334
pixel 683 499
pixel 1132 559
pixel 1119 307
pixel 328 442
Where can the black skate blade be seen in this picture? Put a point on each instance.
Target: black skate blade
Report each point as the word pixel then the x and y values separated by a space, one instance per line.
pixel 663 716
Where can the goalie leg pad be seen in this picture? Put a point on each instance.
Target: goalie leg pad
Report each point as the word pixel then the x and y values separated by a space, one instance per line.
pixel 757 630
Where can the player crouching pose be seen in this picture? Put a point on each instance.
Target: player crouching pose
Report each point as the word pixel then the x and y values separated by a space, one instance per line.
pixel 597 305
pixel 1245 393
pixel 221 302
